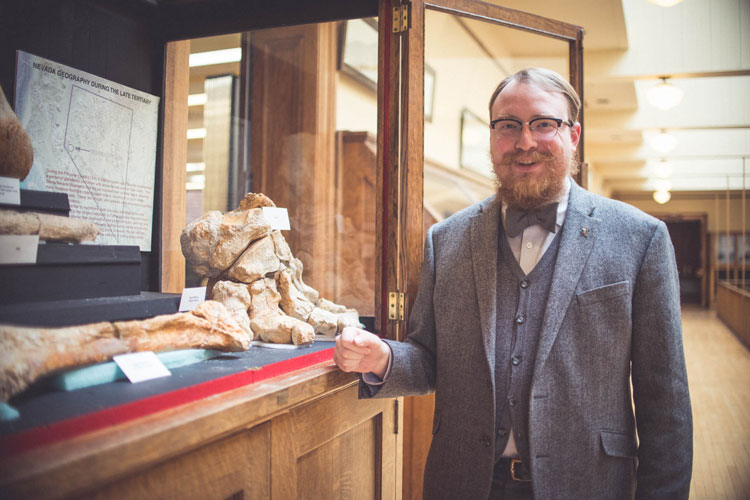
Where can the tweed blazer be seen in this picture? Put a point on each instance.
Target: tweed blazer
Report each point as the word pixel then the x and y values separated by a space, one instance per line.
pixel 612 317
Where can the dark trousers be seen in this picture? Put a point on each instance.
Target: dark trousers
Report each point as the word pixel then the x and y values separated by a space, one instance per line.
pixel 504 487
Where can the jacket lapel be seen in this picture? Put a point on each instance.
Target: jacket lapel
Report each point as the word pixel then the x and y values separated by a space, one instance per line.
pixel 484 251
pixel 578 235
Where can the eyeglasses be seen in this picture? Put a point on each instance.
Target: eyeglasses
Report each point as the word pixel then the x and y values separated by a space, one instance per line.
pixel 541 128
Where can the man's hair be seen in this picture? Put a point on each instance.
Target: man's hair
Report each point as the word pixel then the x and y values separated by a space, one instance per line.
pixel 547 80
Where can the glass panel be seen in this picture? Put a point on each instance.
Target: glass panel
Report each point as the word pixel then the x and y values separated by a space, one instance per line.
pixel 310 136
pixel 467 59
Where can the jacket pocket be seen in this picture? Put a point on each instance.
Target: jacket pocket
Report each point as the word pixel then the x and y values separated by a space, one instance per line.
pixel 618 444
pixel 435 423
pixel 605 292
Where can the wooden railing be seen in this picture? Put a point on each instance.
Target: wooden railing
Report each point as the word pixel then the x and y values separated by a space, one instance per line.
pixel 733 308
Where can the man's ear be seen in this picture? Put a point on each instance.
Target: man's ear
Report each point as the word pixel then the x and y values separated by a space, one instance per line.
pixel 575 134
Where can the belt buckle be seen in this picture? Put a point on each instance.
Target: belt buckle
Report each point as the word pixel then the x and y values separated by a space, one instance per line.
pixel 513 463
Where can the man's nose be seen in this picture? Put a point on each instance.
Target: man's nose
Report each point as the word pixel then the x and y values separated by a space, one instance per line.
pixel 526 139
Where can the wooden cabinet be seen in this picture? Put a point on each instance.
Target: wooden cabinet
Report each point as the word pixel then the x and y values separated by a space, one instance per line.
pixel 300 435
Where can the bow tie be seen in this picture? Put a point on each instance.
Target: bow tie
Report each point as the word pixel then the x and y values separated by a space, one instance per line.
pixel 518 219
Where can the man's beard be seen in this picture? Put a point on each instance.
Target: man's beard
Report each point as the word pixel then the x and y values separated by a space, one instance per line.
pixel 532 190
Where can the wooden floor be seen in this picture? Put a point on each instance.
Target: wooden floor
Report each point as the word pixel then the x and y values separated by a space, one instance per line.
pixel 719 376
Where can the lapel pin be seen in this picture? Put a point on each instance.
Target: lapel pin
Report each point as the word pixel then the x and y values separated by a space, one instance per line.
pixel 585 232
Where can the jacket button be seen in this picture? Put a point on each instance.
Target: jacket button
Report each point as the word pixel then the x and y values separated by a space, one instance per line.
pixel 524 283
pixel 516 360
pixel 512 401
pixel 520 319
pixel 486 441
pixel 502 431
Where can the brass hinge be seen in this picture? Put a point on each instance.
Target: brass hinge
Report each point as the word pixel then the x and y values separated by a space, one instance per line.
pixel 402 18
pixel 395 416
pixel 396 306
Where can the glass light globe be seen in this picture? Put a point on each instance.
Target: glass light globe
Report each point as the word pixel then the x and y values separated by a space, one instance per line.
pixel 664 95
pixel 662 185
pixel 661 197
pixel 663 142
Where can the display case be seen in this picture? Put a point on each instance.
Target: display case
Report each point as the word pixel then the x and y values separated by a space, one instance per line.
pixel 364 158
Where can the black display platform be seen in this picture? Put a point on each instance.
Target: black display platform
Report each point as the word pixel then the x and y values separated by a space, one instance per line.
pixel 38 408
pixel 64 271
pixel 82 311
pixel 42 201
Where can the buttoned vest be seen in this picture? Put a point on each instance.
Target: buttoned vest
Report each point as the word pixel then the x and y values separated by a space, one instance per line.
pixel 521 302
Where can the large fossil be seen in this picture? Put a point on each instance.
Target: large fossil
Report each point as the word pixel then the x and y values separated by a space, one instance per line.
pixel 240 247
pixel 28 353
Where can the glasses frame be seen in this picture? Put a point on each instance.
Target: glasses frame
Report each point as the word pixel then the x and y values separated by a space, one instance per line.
pixel 559 122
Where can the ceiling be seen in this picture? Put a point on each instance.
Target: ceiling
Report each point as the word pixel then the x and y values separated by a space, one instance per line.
pixel 628 46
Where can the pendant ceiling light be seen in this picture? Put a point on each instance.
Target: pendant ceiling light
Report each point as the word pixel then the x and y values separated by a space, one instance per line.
pixel 665 3
pixel 663 142
pixel 664 95
pixel 661 197
pixel 663 170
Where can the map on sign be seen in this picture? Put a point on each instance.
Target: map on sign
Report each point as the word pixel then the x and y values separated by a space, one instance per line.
pixel 93 139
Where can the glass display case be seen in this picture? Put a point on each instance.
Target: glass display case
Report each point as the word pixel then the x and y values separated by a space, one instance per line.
pixel 348 115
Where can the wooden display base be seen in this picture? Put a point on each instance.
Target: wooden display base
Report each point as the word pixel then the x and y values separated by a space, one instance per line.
pixel 302 434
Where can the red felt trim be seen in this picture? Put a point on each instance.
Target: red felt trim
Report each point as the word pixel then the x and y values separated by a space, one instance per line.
pixel 23 441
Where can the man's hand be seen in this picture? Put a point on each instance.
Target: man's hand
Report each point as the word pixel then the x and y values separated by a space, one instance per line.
pixel 361 351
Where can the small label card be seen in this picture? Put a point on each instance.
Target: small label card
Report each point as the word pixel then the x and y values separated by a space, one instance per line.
pixel 18 249
pixel 277 217
pixel 10 191
pixel 191 297
pixel 140 366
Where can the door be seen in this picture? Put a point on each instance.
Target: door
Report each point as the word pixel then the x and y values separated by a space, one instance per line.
pixel 449 57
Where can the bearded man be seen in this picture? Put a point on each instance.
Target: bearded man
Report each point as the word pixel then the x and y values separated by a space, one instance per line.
pixel 538 309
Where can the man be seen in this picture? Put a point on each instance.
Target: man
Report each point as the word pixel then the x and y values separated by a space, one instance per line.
pixel 531 326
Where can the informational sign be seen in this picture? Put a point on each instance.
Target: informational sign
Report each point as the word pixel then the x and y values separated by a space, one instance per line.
pixel 141 366
pixel 18 249
pixel 277 217
pixel 191 297
pixel 93 139
pixel 10 191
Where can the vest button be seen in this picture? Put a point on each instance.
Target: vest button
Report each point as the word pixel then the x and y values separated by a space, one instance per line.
pixel 512 401
pixel 486 441
pixel 524 283
pixel 502 431
pixel 520 319
pixel 516 360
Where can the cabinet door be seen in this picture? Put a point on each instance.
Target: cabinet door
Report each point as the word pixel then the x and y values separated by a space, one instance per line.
pixel 236 467
pixel 337 448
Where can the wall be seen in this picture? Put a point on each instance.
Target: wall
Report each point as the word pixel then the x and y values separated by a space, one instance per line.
pixel 716 210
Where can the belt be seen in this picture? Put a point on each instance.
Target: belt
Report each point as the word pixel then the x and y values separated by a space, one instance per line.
pixel 515 469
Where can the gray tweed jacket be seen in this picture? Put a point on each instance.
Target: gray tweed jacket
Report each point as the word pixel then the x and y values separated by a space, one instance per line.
pixel 613 315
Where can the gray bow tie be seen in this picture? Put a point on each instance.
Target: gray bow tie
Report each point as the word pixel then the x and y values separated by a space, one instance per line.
pixel 518 219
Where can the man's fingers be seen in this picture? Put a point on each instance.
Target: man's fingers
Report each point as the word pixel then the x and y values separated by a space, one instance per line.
pixel 357 350
pixel 345 344
pixel 357 340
